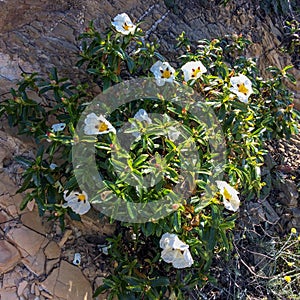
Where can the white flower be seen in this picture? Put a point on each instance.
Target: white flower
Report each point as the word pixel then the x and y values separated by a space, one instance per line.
pixel 175 251
pixel 173 133
pixel 58 127
pixel 230 195
pixel 242 87
pixel 141 116
pixel 163 72
pixel 78 202
pixel 193 70
pixel 123 24
pixel 97 125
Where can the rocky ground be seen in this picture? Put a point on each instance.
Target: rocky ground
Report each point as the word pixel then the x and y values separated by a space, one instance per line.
pixel 37 258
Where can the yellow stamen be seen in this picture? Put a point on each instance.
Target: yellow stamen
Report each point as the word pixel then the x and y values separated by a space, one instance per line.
pixel 242 89
pixel 166 73
pixel 227 194
pixel 81 197
pixel 102 127
pixel 195 72
pixel 127 27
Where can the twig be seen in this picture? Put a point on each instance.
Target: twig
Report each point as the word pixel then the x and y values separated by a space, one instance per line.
pixel 249 268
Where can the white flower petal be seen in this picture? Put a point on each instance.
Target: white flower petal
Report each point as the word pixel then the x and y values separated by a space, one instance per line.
pixel 123 24
pixel 184 260
pixel 193 70
pixel 231 200
pixel 58 127
pixel 142 115
pixel 242 87
pixel 168 255
pixel 163 72
pixel 78 202
pixel 165 240
pixel 95 125
pixel 173 133
pixel 177 244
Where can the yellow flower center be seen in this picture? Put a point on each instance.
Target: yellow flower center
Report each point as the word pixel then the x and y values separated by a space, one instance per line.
pixel 227 195
pixel 287 278
pixel 127 27
pixel 166 73
pixel 81 197
pixel 242 89
pixel 102 127
pixel 195 72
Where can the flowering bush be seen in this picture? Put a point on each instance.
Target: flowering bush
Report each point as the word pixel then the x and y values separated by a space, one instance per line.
pixel 165 257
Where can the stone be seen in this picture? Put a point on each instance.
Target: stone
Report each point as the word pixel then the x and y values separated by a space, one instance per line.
pixel 46 295
pixel 36 291
pixel 22 285
pixel 71 284
pixel 290 190
pixel 5 201
pixel 17 199
pixel 9 294
pixel 52 250
pixel 8 184
pixel 32 220
pixel 296 214
pixel 65 237
pixel 35 263
pixel 31 205
pixel 10 279
pixel 12 210
pixel 50 264
pixel 26 239
pixel 270 213
pixel 9 256
pixel 4 154
pixel 49 283
pixel 4 219
pixel 99 281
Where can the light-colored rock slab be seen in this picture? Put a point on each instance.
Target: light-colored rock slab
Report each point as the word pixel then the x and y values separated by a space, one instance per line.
pixel 9 294
pixel 5 200
pixel 12 210
pixel 52 251
pixel 9 256
pixel 49 283
pixel 35 263
pixel 71 284
pixel 26 239
pixel 7 184
pixel 32 220
pixel 50 264
pixel 22 285
pixel 4 218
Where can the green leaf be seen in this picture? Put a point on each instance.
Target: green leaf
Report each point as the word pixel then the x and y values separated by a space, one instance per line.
pixel 140 160
pixel 177 221
pixel 26 199
pixel 73 215
pixel 100 290
pixel 161 281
